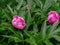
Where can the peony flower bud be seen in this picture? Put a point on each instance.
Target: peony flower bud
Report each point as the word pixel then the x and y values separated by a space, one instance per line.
pixel 18 22
pixel 53 16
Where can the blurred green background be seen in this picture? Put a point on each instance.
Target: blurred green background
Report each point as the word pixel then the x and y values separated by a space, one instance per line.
pixel 38 30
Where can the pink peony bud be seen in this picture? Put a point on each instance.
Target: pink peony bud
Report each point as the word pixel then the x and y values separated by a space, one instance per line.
pixel 18 22
pixel 53 16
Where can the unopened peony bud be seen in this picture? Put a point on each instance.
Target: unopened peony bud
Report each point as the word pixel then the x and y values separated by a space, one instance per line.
pixel 18 22
pixel 53 16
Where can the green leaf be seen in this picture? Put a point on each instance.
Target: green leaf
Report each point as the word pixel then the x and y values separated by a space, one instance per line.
pixel 16 33
pixel 12 38
pixel 26 32
pixel 43 30
pixel 47 42
pixel 57 37
pixel 30 2
pixel 22 14
pixel 47 4
pixel 35 28
pixel 39 3
pixel 55 31
pixel 31 41
pixel 11 10
pixel 3 26
pixel 29 19
pixel 20 2
pixel 54 26
pixel 6 15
